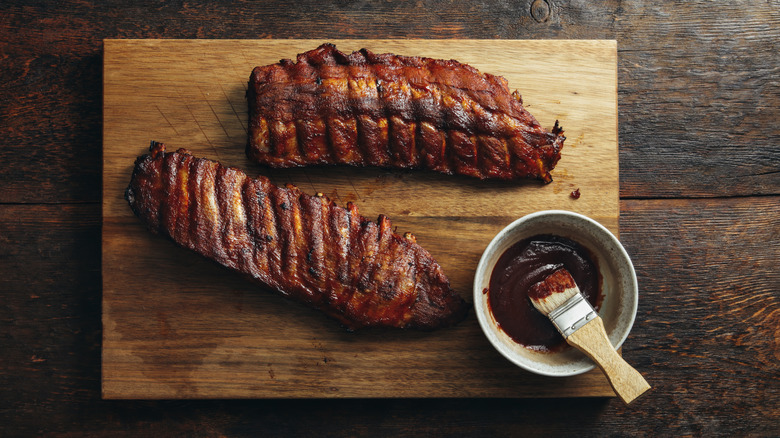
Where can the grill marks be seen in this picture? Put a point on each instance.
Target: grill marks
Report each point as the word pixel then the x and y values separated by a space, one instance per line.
pixel 385 110
pixel 331 258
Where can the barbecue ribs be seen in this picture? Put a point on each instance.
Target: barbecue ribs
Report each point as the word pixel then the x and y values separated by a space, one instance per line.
pixel 366 109
pixel 306 247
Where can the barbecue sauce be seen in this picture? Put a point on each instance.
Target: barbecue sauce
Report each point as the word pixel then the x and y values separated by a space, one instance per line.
pixel 526 263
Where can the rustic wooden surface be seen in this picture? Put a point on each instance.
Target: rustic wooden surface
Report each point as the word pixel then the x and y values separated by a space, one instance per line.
pixel 176 327
pixel 700 203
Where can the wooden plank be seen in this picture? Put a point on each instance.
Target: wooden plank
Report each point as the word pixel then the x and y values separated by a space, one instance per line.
pixel 177 326
pixel 700 119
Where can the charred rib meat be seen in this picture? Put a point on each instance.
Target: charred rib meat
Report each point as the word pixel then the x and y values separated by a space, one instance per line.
pixel 385 110
pixel 306 247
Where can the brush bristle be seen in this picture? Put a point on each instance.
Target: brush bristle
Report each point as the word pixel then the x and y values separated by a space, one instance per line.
pixel 553 291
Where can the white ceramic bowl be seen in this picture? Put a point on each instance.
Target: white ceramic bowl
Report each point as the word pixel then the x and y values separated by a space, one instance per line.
pixel 619 288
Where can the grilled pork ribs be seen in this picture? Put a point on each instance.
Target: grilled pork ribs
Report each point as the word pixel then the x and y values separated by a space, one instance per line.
pixel 306 247
pixel 366 109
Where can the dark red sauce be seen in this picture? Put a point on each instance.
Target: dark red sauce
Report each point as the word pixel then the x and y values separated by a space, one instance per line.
pixel 526 263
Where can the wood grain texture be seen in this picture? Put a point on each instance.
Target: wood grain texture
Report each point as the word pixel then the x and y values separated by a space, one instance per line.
pixel 701 84
pixel 710 311
pixel 682 67
pixel 52 151
pixel 212 335
pixel 49 338
pixel 709 374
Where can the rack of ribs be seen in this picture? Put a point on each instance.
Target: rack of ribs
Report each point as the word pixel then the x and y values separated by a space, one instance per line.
pixel 306 247
pixel 386 110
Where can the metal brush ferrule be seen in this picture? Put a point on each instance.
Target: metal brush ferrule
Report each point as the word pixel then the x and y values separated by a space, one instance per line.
pixel 572 314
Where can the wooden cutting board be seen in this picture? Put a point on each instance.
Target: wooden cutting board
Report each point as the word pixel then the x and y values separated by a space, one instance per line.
pixel 178 326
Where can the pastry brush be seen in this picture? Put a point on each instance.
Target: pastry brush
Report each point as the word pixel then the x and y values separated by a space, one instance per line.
pixel 558 297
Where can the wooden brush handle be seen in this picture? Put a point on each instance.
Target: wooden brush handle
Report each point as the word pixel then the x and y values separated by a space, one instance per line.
pixel 592 340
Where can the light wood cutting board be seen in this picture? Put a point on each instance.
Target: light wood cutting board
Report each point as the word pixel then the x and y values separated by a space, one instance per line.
pixel 178 326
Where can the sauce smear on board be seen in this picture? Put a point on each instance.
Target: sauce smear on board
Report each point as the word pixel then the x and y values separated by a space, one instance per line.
pixel 526 263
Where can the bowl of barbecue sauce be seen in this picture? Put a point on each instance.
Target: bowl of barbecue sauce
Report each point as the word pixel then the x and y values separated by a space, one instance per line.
pixel 526 252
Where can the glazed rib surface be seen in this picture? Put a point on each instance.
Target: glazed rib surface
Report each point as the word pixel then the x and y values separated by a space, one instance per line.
pixel 386 110
pixel 306 247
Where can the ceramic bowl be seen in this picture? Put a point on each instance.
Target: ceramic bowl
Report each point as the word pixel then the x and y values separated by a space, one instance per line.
pixel 619 288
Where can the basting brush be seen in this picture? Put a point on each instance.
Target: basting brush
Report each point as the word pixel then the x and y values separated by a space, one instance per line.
pixel 558 297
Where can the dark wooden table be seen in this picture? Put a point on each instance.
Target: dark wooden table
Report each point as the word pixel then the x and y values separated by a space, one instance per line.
pixel 699 118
